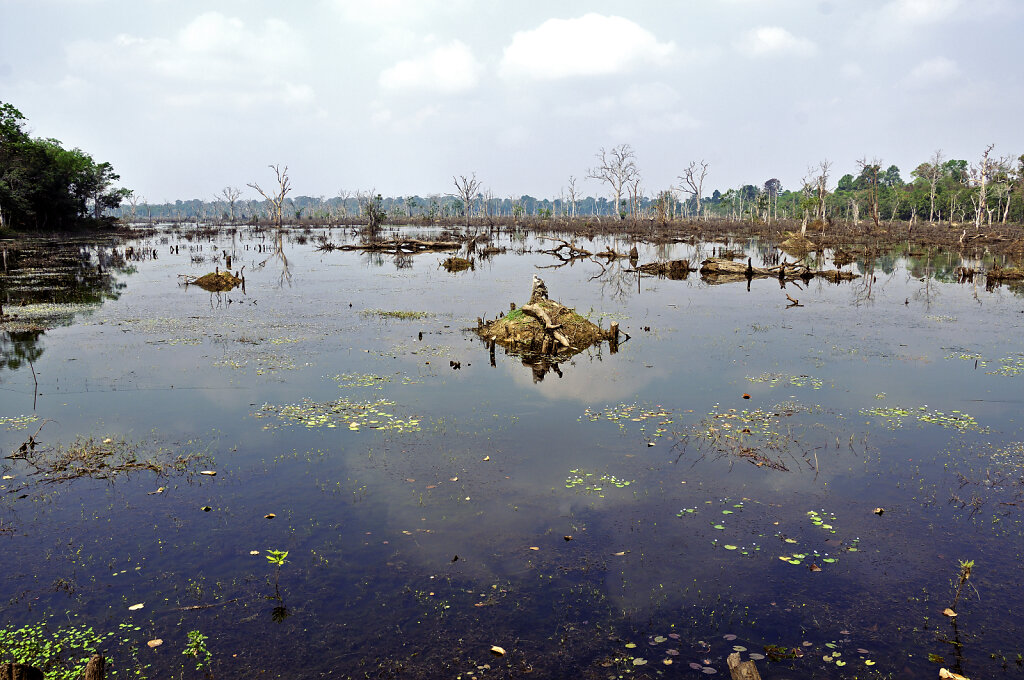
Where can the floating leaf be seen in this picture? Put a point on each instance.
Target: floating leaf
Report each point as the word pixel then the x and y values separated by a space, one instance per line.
pixel 497 651
pixel 136 607
pixel 155 643
pixel 729 547
pixel 948 612
pixel 269 515
pixel 729 636
pixel 639 662
pixel 630 645
pixel 208 473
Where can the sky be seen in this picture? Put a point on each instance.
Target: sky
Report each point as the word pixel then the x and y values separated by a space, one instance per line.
pixel 185 97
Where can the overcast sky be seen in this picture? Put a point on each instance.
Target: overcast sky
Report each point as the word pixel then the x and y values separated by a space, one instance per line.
pixel 185 97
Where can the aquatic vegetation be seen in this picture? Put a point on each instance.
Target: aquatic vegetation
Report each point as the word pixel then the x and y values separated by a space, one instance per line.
pixel 341 412
pixel 623 414
pixel 197 649
pixel 62 652
pixel 1007 366
pixel 394 314
pixel 592 482
pixel 105 459
pixel 775 379
pixel 18 422
pixel 895 415
pixel 346 380
pixel 824 520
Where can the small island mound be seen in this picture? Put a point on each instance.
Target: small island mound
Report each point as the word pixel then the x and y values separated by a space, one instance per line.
pixel 215 282
pixel 545 327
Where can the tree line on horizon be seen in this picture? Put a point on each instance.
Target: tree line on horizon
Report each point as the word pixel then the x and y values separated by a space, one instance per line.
pixel 940 190
pixel 45 187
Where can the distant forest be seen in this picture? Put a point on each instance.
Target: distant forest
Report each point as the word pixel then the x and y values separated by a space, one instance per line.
pixel 988 191
pixel 45 187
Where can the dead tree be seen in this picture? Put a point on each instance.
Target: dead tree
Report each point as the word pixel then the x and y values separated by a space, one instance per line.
pixel 933 176
pixel 869 174
pixel 466 189
pixel 230 195
pixel 616 168
pixel 276 199
pixel 980 175
pixel 693 180
pixel 573 197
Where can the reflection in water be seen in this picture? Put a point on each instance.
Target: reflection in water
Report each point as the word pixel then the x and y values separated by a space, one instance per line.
pixel 19 348
pixel 690 547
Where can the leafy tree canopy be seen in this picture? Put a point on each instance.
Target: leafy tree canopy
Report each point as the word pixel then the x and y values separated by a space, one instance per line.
pixel 44 186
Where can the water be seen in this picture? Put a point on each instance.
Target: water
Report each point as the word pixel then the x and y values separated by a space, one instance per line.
pixel 413 550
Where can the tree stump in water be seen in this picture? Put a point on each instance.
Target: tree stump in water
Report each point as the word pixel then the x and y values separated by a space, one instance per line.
pixel 20 671
pixel 741 670
pixel 96 669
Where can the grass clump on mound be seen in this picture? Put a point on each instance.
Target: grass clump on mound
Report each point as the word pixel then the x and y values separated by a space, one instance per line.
pixel 216 282
pixel 544 326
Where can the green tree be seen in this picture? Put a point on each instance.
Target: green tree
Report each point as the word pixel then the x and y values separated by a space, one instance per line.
pixel 45 186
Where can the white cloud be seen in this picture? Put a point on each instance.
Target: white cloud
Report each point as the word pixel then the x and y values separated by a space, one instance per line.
pixel 449 68
pixel 591 45
pixel 389 13
pixel 934 70
pixel 214 58
pixel 919 11
pixel 767 41
pixel 852 70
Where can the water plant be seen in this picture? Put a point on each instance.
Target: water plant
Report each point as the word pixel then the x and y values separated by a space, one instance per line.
pixel 197 649
pixel 61 653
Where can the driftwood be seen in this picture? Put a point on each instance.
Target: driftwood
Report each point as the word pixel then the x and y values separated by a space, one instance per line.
pixel 411 245
pixel 568 252
pixel 673 269
pixel 538 313
pixel 741 670
pixel 786 271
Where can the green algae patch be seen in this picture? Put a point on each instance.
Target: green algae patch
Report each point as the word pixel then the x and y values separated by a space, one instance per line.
pixel 894 417
pixel 340 413
pixel 775 379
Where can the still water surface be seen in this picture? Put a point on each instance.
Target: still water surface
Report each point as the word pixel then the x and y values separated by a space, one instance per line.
pixel 598 523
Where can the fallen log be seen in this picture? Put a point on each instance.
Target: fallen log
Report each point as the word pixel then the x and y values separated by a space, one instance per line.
pixel 673 269
pixel 717 270
pixel 410 245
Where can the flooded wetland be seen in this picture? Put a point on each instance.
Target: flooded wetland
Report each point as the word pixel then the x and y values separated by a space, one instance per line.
pixel 325 470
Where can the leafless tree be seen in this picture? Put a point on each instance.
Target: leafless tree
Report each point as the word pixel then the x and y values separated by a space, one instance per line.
pixel 230 194
pixel 693 180
pixel 617 168
pixel 466 189
pixel 934 173
pixel 636 196
pixel 134 200
pixel 572 196
pixel 276 199
pixel 869 172
pixel 772 188
pixel 980 175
